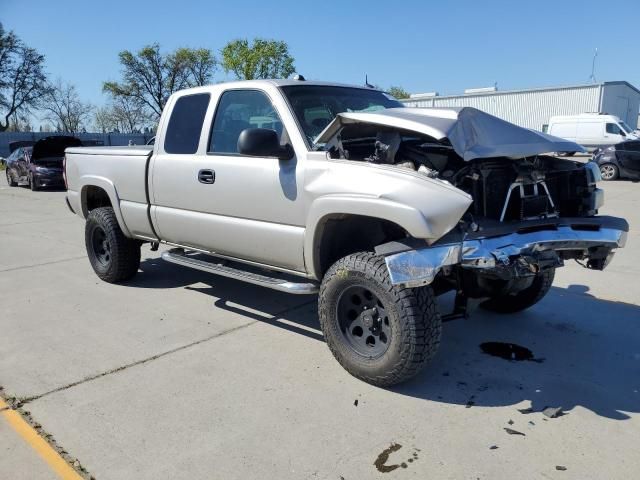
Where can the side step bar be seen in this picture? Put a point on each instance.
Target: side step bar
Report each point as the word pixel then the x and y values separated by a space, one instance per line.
pixel 180 258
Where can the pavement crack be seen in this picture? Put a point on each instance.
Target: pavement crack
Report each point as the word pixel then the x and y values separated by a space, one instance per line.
pixel 90 378
pixel 12 269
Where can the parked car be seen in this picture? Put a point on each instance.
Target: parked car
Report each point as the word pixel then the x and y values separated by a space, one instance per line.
pixel 39 165
pixel 590 130
pixel 619 161
pixel 376 207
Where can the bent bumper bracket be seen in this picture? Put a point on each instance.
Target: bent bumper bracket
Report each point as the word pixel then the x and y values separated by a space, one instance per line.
pixel 417 267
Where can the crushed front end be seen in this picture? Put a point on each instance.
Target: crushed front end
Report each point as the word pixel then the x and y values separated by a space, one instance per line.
pixel 528 216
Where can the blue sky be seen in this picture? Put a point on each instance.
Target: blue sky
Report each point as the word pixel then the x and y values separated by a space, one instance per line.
pixel 421 45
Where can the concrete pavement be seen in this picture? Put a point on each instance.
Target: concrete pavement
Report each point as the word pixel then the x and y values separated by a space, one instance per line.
pixel 178 374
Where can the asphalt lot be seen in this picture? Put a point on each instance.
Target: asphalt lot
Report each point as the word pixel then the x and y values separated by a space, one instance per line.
pixel 179 374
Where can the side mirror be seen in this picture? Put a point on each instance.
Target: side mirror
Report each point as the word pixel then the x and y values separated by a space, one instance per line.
pixel 263 142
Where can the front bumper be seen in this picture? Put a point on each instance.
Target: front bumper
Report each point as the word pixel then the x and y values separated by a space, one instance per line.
pixel 591 239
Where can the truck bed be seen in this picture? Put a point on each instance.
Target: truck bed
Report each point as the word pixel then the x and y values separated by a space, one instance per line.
pixel 122 173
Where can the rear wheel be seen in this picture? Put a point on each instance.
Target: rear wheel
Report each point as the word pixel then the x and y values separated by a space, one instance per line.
pixel 379 332
pixel 113 256
pixel 609 171
pixel 10 180
pixel 525 298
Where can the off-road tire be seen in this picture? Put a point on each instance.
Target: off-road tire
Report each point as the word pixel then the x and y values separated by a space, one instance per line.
pixel 124 253
pixel 413 315
pixel 525 298
pixel 10 180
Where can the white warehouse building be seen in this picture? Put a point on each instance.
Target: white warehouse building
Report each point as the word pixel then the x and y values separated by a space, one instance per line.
pixel 532 108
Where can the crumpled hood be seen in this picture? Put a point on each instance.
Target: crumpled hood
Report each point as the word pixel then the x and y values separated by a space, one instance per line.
pixel 471 132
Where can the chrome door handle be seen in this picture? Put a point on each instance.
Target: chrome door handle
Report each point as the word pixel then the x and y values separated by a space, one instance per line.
pixel 207 176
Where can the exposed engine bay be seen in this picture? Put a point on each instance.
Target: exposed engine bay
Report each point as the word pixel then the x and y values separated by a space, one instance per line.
pixel 503 189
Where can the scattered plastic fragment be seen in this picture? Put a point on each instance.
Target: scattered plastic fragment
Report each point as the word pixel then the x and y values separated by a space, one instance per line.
pixel 511 431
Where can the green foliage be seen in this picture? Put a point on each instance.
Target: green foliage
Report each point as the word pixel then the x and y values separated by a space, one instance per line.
pixel 398 92
pixel 261 59
pixel 23 82
pixel 150 77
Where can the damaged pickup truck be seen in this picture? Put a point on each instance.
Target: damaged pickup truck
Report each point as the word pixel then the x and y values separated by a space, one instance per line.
pixel 309 187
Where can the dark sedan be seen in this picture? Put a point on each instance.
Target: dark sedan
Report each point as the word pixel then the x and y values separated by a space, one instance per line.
pixel 39 165
pixel 619 161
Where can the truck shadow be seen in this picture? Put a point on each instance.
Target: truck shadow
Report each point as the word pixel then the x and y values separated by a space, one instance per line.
pixel 586 354
pixel 586 350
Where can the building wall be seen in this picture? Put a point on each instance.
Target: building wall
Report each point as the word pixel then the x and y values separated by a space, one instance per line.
pixel 621 101
pixel 527 108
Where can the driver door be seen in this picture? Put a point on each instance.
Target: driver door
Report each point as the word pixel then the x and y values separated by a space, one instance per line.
pixel 235 205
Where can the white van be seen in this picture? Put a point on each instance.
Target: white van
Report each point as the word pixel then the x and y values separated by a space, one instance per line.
pixel 591 130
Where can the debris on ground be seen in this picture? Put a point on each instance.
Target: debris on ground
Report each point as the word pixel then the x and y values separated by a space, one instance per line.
pixel 511 431
pixel 355 402
pixel 553 412
pixel 471 402
pixel 510 422
pixel 493 447
pixel 561 468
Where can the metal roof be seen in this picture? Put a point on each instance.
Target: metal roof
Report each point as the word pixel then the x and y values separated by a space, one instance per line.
pixel 527 90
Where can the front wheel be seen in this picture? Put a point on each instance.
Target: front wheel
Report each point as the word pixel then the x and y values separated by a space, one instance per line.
pixel 380 333
pixel 10 180
pixel 113 256
pixel 32 184
pixel 525 298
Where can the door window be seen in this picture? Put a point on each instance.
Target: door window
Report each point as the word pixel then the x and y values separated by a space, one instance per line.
pixel 185 124
pixel 614 129
pixel 238 110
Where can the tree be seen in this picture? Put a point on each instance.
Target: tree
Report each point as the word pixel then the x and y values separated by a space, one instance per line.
pixel 64 108
pixel 23 81
pixel 124 114
pixel 398 92
pixel 262 59
pixel 149 77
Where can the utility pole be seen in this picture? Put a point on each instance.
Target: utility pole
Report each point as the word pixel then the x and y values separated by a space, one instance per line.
pixel 592 78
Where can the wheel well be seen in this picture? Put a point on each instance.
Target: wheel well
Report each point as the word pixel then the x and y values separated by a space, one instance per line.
pixel 342 235
pixel 95 197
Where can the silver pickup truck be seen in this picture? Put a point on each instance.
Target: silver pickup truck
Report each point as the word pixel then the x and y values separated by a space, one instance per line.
pixel 309 187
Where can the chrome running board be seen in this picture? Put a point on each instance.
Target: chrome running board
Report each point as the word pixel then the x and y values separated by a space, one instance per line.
pixel 178 257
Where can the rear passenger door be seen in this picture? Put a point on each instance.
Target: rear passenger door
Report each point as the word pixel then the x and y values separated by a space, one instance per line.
pixel 219 200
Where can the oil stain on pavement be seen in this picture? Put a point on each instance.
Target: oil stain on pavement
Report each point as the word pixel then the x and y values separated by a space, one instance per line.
pixel 381 461
pixel 509 351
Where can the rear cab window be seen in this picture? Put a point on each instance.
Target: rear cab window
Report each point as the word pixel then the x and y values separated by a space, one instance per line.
pixel 185 124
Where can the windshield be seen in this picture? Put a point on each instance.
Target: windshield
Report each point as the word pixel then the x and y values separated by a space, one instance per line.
pixel 626 127
pixel 316 106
